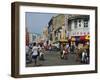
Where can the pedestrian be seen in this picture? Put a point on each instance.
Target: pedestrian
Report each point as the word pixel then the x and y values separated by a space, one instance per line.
pixel 61 51
pixel 35 53
pixel 72 48
pixel 84 57
pixel 27 49
pixel 41 51
pixel 77 52
pixel 88 54
pixel 27 53
pixel 66 53
pixel 67 45
pixel 50 48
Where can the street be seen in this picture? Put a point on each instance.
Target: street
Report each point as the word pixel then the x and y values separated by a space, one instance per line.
pixel 66 32
pixel 53 59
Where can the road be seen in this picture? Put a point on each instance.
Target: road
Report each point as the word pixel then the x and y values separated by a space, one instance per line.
pixel 53 59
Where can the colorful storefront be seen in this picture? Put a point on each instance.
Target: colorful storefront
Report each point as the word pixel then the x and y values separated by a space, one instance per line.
pixel 80 40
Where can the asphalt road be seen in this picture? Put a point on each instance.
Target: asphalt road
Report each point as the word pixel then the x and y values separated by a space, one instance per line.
pixel 53 59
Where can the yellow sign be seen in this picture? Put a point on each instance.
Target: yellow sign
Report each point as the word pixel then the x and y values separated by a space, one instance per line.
pixel 73 39
pixel 87 37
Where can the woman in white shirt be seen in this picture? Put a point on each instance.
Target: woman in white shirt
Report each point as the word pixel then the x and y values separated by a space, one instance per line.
pixel 35 53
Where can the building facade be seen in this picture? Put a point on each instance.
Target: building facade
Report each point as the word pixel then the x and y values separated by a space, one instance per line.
pixel 57 28
pixel 64 29
pixel 79 28
pixel 34 37
pixel 27 37
pixel 78 25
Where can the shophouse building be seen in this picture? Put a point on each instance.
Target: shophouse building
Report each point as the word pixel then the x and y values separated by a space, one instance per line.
pixel 79 28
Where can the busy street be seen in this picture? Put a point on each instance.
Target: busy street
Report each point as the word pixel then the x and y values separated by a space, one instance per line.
pixel 53 58
pixel 58 39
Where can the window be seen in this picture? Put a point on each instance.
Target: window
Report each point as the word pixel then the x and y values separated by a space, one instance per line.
pixel 75 22
pixel 85 23
pixel 79 23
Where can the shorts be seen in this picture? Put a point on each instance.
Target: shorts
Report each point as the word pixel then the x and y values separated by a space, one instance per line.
pixel 34 56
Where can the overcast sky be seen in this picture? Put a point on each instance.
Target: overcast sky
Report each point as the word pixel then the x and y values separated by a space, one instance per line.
pixel 36 21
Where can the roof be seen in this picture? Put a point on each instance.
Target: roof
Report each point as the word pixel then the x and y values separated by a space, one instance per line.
pixel 79 17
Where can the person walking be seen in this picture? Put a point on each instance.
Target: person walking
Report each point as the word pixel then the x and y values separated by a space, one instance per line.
pixel 61 51
pixel 27 53
pixel 72 48
pixel 35 53
pixel 84 57
pixel 41 51
pixel 66 53
pixel 77 52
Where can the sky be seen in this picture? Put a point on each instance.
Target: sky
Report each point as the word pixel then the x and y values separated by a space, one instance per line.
pixel 36 21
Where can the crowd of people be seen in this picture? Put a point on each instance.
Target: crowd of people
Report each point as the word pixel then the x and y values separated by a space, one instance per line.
pixel 35 52
pixel 81 54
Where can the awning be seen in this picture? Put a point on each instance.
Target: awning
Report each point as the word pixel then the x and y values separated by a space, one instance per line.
pixel 63 40
pixel 82 38
pixel 79 38
pixel 75 38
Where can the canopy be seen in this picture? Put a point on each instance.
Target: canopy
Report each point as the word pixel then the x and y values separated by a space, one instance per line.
pixel 80 38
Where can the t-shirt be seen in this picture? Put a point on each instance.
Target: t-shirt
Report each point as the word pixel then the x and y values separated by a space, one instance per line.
pixel 35 50
pixel 67 46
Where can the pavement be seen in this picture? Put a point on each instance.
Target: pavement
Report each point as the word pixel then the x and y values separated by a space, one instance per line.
pixel 52 58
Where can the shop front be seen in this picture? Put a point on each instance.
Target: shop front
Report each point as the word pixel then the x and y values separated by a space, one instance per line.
pixel 79 40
